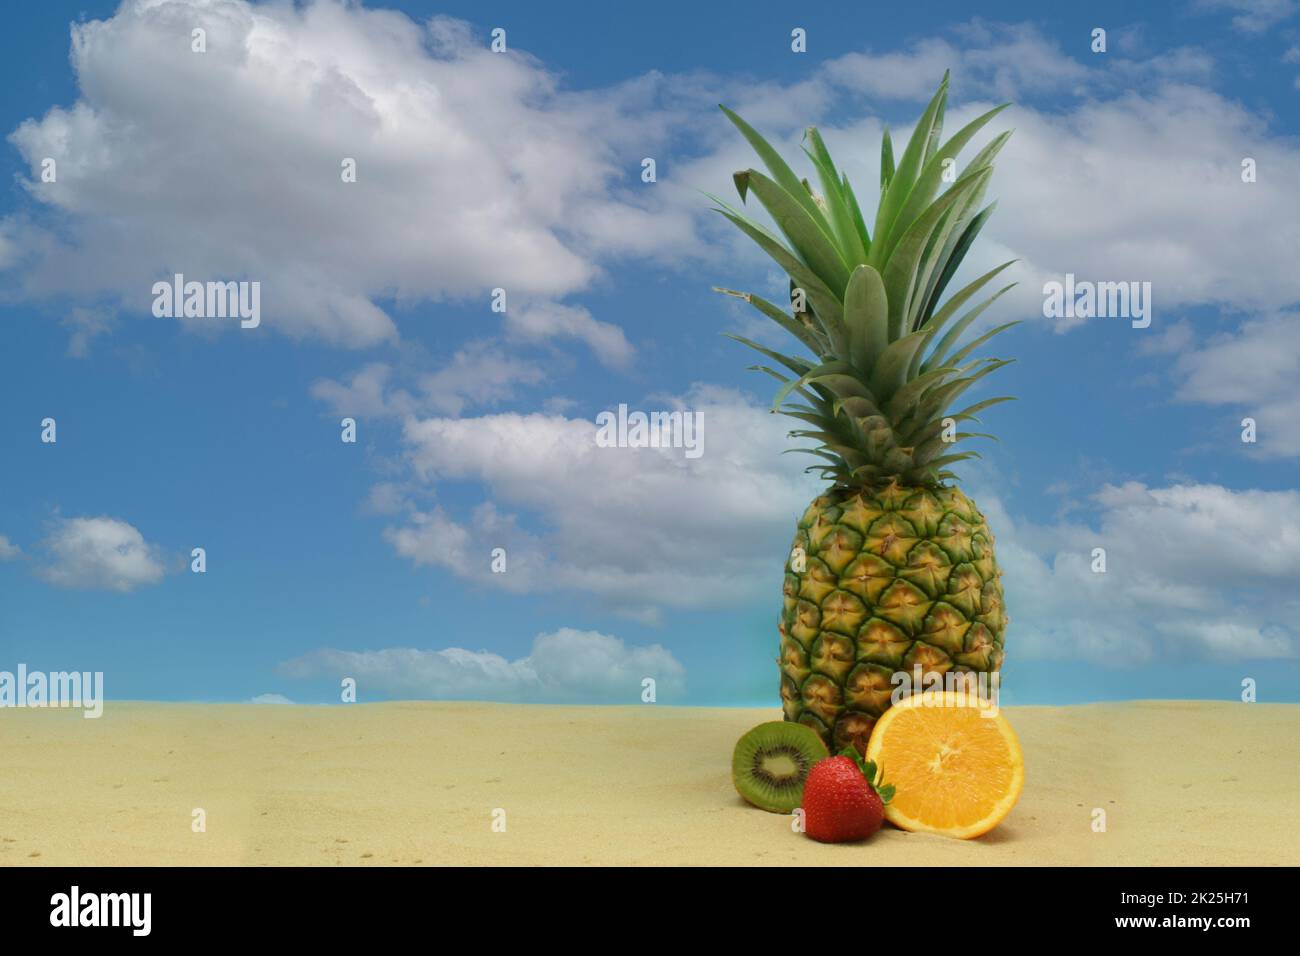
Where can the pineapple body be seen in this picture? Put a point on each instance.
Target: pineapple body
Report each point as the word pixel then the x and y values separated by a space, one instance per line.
pixel 880 581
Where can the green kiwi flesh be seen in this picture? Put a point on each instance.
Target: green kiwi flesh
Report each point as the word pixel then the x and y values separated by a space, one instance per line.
pixel 771 764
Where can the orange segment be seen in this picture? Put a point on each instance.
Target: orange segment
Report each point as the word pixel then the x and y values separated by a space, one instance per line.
pixel 956 767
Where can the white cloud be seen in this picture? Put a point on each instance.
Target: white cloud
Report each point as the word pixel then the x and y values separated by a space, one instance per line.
pixel 475 170
pixel 9 243
pixel 1253 16
pixel 1192 570
pixel 385 498
pixel 1254 370
pixel 1173 339
pixel 365 393
pixel 568 666
pixel 1102 191
pixel 482 374
pixel 1248 538
pixel 543 320
pixel 86 325
pixel 640 528
pixel 8 550
pixel 270 699
pixel 1002 60
pixel 100 553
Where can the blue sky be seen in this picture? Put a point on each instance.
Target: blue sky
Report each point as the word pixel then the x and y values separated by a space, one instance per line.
pixel 522 171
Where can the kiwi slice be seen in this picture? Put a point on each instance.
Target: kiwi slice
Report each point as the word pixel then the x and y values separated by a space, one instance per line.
pixel 772 762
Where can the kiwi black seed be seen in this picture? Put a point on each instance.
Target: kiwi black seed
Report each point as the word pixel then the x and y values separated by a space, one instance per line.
pixel 771 764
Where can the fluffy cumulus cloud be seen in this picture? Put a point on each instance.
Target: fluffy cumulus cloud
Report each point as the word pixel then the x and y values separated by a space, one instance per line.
pixel 474 170
pixel 270 699
pixel 1192 571
pixel 481 374
pixel 1074 203
pixel 541 321
pixel 477 375
pixel 1004 61
pixel 639 528
pixel 566 666
pixel 100 553
pixel 1253 370
pixel 8 550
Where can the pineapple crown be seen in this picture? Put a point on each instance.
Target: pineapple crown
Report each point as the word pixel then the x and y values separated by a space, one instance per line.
pixel 877 391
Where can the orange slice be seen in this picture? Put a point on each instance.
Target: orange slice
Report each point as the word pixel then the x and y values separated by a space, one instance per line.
pixel 956 767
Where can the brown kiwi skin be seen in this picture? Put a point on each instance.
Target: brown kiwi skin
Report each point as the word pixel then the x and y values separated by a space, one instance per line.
pixel 808 747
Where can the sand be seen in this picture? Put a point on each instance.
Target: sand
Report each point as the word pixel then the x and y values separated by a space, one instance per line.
pixel 417 783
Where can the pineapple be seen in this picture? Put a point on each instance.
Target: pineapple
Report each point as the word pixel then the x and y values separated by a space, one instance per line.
pixel 892 567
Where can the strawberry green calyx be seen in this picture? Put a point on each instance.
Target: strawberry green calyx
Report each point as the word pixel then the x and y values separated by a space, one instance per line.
pixel 875 777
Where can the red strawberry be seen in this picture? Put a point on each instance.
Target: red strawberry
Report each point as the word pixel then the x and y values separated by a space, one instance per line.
pixel 842 801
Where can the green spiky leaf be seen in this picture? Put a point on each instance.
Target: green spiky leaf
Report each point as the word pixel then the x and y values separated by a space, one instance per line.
pixel 777 166
pixel 886 354
pixel 806 235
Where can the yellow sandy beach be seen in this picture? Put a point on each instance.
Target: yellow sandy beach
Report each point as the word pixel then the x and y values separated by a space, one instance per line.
pixel 417 783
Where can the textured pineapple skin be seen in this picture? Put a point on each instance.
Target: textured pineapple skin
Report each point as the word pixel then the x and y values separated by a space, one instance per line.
pixel 891 578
